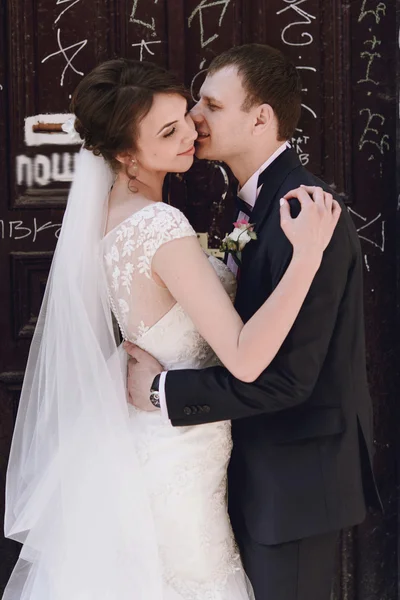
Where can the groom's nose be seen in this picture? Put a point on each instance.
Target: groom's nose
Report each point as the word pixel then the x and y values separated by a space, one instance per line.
pixel 196 113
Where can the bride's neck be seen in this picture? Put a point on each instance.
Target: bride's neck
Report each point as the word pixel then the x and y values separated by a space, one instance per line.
pixel 146 184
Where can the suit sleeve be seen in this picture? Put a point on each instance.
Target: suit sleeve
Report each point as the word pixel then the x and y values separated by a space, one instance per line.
pixel 213 394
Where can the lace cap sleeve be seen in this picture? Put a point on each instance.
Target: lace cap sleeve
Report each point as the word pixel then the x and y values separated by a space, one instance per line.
pixel 132 246
pixel 167 223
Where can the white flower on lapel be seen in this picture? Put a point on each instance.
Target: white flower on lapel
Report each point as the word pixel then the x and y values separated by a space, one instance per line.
pixel 234 243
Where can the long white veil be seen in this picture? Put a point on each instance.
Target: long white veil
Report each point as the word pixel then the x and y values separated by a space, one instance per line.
pixel 75 494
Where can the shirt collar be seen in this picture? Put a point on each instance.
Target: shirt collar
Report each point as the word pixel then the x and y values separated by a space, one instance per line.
pixel 249 192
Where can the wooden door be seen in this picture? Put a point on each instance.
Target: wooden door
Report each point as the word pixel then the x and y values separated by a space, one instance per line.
pixel 345 53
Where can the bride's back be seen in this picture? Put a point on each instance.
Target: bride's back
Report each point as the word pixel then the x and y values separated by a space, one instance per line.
pixel 147 313
pixel 137 299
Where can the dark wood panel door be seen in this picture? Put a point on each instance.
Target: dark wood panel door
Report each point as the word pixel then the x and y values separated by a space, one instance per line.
pixel 345 53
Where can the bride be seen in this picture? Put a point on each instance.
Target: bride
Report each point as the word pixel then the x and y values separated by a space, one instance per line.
pixel 111 503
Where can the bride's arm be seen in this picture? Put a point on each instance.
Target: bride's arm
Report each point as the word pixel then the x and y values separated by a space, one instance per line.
pixel 246 350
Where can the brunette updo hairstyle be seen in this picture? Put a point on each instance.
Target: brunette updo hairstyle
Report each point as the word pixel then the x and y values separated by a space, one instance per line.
pixel 111 100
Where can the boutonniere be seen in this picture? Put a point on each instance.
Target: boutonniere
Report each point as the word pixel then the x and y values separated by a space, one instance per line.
pixel 234 243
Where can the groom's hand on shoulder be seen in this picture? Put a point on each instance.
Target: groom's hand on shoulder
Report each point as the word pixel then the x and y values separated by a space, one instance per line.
pixel 142 369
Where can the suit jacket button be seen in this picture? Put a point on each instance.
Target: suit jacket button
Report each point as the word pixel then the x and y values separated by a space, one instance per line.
pixel 187 410
pixel 206 408
pixel 195 409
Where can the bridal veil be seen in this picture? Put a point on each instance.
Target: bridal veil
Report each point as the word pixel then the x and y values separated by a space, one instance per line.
pixel 75 496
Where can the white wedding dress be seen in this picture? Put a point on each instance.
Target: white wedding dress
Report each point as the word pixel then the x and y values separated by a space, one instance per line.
pixel 185 467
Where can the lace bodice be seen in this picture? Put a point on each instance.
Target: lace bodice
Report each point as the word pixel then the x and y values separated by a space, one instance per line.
pixel 145 311
pixel 137 300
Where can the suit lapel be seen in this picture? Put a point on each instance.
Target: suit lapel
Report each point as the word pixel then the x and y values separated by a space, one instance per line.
pixel 272 179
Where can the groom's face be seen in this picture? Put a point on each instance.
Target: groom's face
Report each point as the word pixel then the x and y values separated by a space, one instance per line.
pixel 223 127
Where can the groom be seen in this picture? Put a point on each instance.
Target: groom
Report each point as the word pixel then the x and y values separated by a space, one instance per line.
pixel 301 462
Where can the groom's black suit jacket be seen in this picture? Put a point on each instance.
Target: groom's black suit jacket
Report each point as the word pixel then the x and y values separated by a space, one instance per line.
pixel 302 432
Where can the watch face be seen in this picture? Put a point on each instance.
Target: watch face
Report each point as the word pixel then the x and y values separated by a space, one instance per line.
pixel 155 399
pixel 156 383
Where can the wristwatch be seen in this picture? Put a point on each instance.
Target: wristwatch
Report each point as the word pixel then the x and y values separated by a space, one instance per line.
pixel 154 392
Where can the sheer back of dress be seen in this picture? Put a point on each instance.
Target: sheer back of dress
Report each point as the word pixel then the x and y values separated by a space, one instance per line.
pixel 137 301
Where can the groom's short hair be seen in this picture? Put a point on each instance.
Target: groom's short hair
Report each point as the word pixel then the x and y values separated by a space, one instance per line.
pixel 268 77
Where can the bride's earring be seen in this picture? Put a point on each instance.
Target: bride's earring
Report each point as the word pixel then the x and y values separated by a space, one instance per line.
pixel 133 171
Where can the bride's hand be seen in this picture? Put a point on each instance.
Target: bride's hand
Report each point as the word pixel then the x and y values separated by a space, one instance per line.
pixel 311 231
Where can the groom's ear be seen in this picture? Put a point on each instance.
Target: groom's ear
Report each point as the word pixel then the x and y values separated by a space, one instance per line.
pixel 265 119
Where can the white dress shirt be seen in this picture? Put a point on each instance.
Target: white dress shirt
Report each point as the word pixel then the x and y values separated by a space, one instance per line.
pixel 249 194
